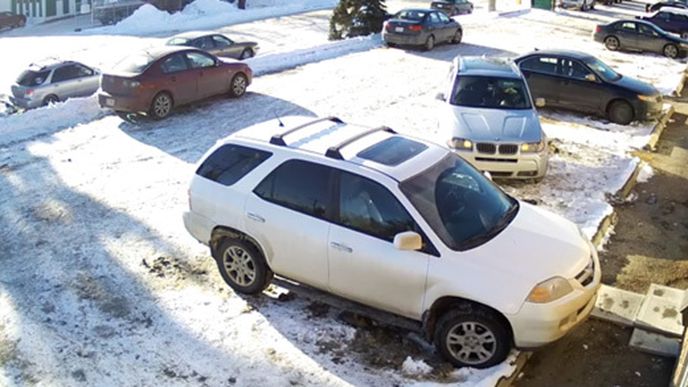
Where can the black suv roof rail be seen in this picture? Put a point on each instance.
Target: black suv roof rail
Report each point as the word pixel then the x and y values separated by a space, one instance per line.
pixel 333 151
pixel 278 139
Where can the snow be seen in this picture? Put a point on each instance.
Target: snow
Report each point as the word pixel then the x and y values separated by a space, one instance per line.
pixel 646 173
pixel 412 367
pixel 203 14
pixel 101 283
pixel 285 60
pixel 36 123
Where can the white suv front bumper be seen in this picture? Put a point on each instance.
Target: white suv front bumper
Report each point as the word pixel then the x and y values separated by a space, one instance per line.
pixel 539 324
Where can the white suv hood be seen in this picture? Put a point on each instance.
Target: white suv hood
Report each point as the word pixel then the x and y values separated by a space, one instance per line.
pixel 536 246
pixel 479 124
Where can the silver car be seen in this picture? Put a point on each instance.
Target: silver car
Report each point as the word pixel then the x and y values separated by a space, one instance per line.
pixel 216 44
pixel 489 118
pixel 52 82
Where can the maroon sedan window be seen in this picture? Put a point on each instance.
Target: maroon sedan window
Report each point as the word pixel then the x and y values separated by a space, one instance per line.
pixel 199 60
pixel 173 64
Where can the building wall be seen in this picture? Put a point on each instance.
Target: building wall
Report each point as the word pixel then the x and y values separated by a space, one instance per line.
pixel 37 11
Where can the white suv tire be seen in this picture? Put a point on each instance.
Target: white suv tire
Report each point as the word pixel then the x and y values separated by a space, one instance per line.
pixel 472 336
pixel 242 266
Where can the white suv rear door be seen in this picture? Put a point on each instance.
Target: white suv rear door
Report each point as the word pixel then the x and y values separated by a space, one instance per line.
pixel 287 214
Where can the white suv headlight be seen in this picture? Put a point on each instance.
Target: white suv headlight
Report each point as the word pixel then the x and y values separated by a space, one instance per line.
pixel 533 147
pixel 460 143
pixel 550 290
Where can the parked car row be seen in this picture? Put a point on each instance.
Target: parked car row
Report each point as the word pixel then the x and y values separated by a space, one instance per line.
pixel 151 82
pixel 413 228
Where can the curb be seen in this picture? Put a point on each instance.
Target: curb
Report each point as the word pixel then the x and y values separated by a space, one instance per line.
pixel 661 125
pixel 679 89
pixel 632 180
pixel 520 362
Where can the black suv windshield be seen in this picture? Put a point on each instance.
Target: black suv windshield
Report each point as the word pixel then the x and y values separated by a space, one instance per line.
pixel 464 208
pixel 490 92
pixel 602 70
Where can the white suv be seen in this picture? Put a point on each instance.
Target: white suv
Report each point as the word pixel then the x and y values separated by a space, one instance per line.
pixel 395 223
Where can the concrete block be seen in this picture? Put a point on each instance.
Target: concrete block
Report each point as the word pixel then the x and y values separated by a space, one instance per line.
pixel 655 343
pixel 617 306
pixel 661 310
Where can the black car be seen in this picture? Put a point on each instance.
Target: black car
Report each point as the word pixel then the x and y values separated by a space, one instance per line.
pixel 11 20
pixel 453 7
pixel 670 19
pixel 670 4
pixel 421 27
pixel 578 81
pixel 642 36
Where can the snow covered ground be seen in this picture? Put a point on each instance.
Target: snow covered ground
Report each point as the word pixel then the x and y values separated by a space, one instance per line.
pixel 101 284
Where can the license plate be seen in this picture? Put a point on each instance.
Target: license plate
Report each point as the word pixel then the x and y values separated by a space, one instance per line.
pixel 399 29
pixel 109 102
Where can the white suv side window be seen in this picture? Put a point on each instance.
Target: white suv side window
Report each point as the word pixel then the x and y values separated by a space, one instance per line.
pixel 299 185
pixel 369 207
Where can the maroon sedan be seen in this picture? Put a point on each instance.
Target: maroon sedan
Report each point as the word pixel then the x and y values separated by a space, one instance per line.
pixel 155 81
pixel 11 20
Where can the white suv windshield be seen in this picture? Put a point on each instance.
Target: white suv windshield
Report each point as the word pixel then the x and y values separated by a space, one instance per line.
pixel 490 92
pixel 463 208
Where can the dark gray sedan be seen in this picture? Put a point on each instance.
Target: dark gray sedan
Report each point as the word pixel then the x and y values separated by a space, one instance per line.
pixel 216 44
pixel 642 36
pixel 421 27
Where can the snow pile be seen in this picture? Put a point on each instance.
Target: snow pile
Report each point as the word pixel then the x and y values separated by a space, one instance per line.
pixel 486 377
pixel 646 173
pixel 412 367
pixel 47 120
pixel 208 7
pixel 204 14
pixel 271 63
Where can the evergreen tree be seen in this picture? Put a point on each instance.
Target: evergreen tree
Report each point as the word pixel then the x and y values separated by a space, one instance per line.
pixel 357 18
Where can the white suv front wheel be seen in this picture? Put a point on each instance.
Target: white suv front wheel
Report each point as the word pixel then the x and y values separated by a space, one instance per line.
pixel 242 266
pixel 472 336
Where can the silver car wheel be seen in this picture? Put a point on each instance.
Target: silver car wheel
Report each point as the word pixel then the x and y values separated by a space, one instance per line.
pixel 670 51
pixel 239 266
pixel 239 85
pixel 247 53
pixel 162 105
pixel 471 342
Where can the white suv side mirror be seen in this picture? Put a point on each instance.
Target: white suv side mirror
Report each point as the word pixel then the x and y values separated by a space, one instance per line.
pixel 408 240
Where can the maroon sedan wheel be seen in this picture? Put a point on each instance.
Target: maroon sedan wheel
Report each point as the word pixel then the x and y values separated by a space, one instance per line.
pixel 238 86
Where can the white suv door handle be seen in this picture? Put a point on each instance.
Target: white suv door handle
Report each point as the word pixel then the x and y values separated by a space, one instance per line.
pixel 255 217
pixel 341 247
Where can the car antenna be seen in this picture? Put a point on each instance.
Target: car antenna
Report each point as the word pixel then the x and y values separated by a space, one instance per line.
pixel 278 119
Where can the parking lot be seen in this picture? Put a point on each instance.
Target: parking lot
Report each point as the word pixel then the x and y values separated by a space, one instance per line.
pixel 101 283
